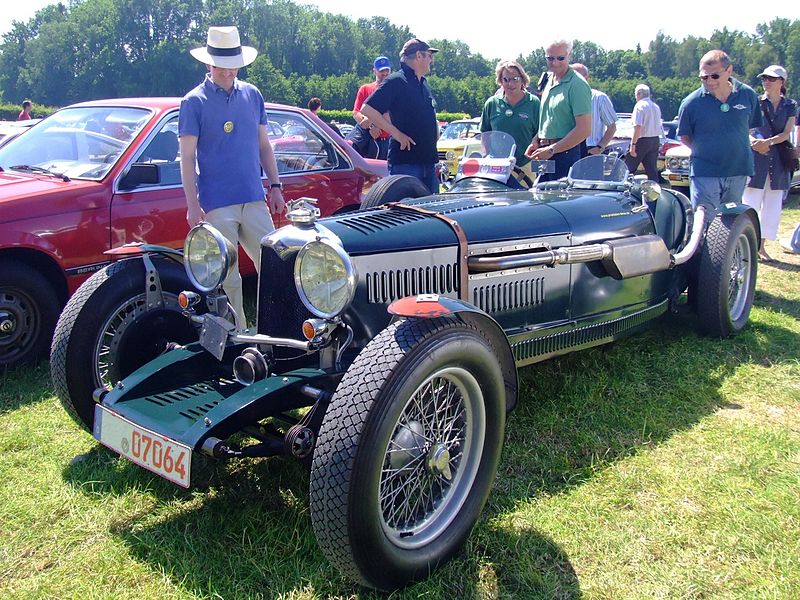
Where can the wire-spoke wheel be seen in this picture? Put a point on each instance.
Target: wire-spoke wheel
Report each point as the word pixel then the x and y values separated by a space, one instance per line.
pixel 432 457
pixel 739 276
pixel 408 450
pixel 726 278
pixel 107 331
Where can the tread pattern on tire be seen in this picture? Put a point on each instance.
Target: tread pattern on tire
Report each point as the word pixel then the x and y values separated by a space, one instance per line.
pixel 712 261
pixel 330 477
pixel 60 345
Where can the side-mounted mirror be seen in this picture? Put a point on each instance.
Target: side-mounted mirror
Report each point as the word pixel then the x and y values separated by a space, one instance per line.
pixel 138 174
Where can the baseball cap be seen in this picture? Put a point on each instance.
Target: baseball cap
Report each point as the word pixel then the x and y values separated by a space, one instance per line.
pixel 774 71
pixel 415 45
pixel 382 63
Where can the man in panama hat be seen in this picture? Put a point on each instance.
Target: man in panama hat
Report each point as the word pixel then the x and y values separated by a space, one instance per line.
pixel 222 129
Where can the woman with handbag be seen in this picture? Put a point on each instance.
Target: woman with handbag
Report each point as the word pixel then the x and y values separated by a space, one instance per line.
pixel 773 155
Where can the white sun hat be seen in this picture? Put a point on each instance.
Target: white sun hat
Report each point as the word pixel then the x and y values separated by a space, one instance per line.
pixel 224 49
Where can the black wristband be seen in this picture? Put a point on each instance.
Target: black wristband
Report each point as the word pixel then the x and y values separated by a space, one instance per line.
pixel 276 185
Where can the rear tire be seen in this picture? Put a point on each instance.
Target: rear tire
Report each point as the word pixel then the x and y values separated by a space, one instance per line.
pixel 408 450
pixel 107 331
pixel 726 276
pixel 393 189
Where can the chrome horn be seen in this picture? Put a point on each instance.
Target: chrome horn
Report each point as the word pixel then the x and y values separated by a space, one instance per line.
pixel 250 366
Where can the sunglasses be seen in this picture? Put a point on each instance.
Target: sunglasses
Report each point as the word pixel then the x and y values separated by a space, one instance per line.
pixel 769 78
pixel 555 58
pixel 510 79
pixel 712 76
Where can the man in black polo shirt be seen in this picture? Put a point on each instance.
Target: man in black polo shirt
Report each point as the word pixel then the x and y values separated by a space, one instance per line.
pixel 406 96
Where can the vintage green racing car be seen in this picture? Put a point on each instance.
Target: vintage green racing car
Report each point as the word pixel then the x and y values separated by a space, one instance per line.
pixel 388 340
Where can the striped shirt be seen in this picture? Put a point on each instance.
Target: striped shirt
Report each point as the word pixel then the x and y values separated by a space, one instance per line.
pixel 603 115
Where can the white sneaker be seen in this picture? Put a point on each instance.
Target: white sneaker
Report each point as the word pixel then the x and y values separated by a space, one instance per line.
pixel 786 244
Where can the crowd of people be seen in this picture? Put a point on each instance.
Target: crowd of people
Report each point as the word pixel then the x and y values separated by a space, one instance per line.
pixel 740 142
pixel 741 148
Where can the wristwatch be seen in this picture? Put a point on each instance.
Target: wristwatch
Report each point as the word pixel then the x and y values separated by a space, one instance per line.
pixel 279 186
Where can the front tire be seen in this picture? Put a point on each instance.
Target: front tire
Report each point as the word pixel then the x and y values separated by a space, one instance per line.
pixel 408 451
pixel 107 331
pixel 726 277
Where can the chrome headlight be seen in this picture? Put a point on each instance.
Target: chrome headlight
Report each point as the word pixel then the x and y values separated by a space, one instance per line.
pixel 450 155
pixel 325 278
pixel 208 257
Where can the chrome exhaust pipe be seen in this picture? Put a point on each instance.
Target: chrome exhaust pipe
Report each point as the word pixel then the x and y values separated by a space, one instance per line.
pixel 698 229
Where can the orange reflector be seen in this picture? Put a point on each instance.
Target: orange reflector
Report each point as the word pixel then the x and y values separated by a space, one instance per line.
pixel 308 330
pixel 183 300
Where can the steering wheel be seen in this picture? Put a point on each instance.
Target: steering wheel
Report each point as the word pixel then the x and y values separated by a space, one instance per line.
pixel 522 177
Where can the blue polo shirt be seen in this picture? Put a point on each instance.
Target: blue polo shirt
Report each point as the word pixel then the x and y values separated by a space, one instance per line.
pixel 413 111
pixel 720 139
pixel 226 126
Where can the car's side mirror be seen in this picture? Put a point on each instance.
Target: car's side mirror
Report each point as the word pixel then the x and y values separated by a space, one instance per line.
pixel 138 174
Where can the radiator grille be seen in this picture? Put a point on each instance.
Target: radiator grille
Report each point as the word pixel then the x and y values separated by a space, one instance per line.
pixel 509 295
pixel 387 286
pixel 280 311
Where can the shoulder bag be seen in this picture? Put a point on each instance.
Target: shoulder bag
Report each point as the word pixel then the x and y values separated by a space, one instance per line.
pixel 786 152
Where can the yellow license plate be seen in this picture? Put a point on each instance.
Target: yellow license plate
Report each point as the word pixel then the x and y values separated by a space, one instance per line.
pixel 163 456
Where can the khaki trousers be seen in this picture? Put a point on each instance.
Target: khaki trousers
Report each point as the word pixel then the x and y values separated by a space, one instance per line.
pixel 243 224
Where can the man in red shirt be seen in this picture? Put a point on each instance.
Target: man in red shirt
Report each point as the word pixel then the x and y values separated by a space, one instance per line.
pixel 368 139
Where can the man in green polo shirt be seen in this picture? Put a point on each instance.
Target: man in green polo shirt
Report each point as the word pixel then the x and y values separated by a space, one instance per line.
pixel 565 118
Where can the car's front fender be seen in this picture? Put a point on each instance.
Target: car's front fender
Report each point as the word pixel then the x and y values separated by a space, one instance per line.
pixel 737 208
pixel 428 306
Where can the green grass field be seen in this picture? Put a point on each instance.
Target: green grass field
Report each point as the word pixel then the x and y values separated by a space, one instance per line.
pixel 665 465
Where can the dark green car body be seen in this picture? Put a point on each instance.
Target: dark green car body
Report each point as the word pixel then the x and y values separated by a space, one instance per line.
pixel 529 274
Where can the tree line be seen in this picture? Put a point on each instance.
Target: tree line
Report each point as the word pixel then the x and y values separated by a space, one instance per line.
pixel 93 49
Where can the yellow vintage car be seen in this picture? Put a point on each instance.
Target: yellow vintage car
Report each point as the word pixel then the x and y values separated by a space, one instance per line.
pixel 453 139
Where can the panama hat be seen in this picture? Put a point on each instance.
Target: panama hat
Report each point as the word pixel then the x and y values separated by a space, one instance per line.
pixel 224 49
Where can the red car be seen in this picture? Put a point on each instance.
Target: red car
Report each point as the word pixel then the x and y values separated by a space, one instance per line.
pixel 97 175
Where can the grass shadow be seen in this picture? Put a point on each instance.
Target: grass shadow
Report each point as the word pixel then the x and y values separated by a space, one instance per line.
pixel 617 405
pixel 781 265
pixel 247 532
pixel 22 386
pixel 778 303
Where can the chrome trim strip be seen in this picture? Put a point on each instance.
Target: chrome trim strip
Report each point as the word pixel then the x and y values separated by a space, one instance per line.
pixel 548 258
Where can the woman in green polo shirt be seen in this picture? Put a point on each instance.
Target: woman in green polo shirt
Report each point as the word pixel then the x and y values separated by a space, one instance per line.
pixel 513 110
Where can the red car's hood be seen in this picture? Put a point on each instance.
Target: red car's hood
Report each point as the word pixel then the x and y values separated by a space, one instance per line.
pixel 28 195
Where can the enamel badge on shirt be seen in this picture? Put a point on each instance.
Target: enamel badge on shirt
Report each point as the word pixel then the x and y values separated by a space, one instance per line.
pixel 228 127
